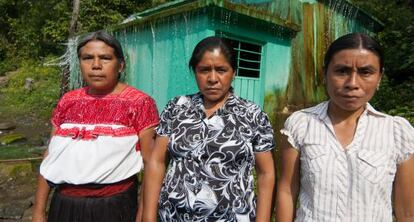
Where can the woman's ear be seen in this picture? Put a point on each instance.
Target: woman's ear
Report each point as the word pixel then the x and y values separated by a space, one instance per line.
pixel 121 67
pixel 379 82
pixel 324 75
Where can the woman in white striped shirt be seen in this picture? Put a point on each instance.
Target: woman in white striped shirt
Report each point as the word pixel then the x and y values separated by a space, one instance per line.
pixel 342 158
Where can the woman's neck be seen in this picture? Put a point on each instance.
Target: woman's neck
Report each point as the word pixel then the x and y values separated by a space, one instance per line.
pixel 212 106
pixel 118 88
pixel 337 114
pixel 344 123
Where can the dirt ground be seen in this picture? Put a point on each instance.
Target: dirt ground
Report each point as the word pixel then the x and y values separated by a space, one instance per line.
pixel 18 178
pixel 17 189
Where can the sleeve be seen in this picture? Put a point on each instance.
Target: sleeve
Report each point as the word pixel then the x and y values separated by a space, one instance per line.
pixel 164 128
pixel 147 114
pixel 263 139
pixel 294 128
pixel 58 112
pixel 404 139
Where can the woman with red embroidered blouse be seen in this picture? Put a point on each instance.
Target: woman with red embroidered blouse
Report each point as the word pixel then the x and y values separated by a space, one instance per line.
pixel 102 135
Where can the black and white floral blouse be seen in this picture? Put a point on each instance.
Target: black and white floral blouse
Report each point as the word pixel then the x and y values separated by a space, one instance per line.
pixel 209 177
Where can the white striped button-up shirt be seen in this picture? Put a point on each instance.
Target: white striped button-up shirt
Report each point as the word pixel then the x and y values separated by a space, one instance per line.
pixel 352 184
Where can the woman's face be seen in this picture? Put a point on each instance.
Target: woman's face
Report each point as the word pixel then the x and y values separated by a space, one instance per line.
pixel 214 75
pixel 100 67
pixel 352 78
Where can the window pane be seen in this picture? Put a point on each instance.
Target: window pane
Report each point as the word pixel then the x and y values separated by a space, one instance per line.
pixel 248 56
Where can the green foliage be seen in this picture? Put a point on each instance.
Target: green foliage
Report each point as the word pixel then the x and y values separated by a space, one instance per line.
pixel 404 111
pixel 396 99
pixel 396 95
pixel 397 36
pixel 18 152
pixel 41 99
pixel 11 138
pixel 38 28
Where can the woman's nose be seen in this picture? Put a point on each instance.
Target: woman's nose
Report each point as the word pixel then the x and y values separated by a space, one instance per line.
pixel 96 64
pixel 212 77
pixel 352 82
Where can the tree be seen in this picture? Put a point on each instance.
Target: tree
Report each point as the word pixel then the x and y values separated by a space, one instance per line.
pixel 397 37
pixel 64 84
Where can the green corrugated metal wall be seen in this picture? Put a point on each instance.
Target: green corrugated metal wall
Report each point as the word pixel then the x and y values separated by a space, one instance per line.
pixel 158 51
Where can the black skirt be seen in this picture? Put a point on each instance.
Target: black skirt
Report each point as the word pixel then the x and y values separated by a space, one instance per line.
pixel 121 207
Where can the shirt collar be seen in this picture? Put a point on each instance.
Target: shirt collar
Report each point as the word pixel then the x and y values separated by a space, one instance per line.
pixel 321 110
pixel 229 106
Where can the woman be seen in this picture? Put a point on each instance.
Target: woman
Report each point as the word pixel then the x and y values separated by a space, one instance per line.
pixel 213 140
pixel 101 134
pixel 342 157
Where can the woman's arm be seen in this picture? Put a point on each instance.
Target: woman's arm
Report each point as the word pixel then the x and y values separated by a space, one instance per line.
pixel 42 193
pixel 288 185
pixel 265 171
pixel 153 176
pixel 146 142
pixel 404 192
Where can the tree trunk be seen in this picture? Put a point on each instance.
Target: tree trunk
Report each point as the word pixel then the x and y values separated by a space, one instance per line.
pixel 64 86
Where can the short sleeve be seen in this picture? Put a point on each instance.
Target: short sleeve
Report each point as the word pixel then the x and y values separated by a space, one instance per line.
pixel 294 128
pixel 404 139
pixel 164 128
pixel 263 139
pixel 58 112
pixel 147 115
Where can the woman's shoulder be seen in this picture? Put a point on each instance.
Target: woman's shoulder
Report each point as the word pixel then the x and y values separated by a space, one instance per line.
pixel 183 100
pixel 72 94
pixel 133 93
pixel 310 112
pixel 244 105
pixel 402 124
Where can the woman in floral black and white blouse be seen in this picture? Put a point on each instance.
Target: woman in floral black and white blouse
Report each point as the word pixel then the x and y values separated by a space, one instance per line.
pixel 213 140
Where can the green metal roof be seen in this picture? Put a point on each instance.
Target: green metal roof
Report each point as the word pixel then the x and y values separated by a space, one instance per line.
pixel 181 6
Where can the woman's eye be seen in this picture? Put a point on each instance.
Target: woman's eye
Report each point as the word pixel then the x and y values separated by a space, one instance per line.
pixel 87 58
pixel 222 70
pixel 341 71
pixel 203 70
pixel 366 72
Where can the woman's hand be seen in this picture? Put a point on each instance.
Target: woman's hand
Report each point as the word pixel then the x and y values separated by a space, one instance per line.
pixel 404 192
pixel 42 194
pixel 39 207
pixel 288 186
pixel 38 215
pixel 265 170
pixel 146 142
pixel 153 176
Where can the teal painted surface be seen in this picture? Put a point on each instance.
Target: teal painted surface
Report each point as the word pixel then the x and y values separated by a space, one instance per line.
pixel 158 51
pixel 249 88
pixel 158 54
pixel 275 47
pixel 291 70
pixel 285 9
pixel 294 35
pixel 277 68
pixel 321 24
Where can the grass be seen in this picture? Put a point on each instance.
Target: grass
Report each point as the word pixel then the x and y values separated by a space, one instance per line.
pixel 41 99
pixel 19 151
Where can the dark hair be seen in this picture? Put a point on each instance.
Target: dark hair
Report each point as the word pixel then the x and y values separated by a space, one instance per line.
pixel 104 37
pixel 354 41
pixel 209 44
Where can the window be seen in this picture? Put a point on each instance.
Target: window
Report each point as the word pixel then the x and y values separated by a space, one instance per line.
pixel 248 58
